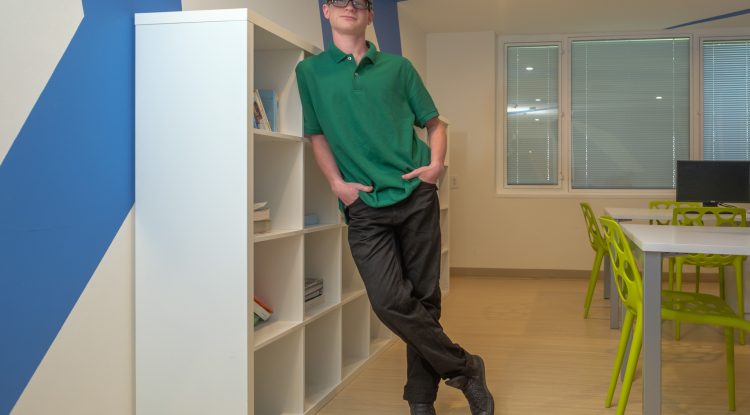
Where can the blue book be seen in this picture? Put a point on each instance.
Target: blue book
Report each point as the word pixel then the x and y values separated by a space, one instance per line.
pixel 270 101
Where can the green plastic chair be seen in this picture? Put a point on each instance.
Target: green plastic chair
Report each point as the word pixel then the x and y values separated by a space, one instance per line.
pixel 669 204
pixel 599 246
pixel 722 216
pixel 677 306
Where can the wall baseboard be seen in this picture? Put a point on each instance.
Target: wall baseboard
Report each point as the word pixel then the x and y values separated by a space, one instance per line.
pixel 552 273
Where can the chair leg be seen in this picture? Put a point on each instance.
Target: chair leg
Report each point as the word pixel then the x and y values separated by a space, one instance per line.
pixel 740 293
pixel 722 285
pixel 592 281
pixel 670 263
pixel 697 279
pixel 624 336
pixel 635 352
pixel 729 337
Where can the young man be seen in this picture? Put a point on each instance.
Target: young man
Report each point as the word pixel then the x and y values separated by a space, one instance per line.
pixel 359 108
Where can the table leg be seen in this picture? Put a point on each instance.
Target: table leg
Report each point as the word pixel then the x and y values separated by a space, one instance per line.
pixel 652 334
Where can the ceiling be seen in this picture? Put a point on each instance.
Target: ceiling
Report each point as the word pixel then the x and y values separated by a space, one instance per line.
pixel 516 17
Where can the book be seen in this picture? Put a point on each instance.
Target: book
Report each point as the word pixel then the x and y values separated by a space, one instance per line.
pixel 262 304
pixel 270 101
pixel 260 311
pixel 256 319
pixel 313 295
pixel 260 112
pixel 262 214
pixel 261 226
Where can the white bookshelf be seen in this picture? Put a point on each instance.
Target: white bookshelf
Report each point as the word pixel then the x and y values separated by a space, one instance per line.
pixel 445 223
pixel 200 166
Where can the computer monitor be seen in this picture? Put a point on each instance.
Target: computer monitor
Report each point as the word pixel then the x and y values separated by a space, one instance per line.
pixel 713 182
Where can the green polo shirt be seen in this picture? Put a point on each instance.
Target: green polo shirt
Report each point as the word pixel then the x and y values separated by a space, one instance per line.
pixel 367 113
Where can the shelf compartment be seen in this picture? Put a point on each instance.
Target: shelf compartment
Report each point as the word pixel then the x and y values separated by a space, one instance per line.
pixel 279 379
pixel 322 253
pixel 278 181
pixel 268 332
pixel 356 340
pixel 274 70
pixel 445 271
pixel 322 358
pixel 350 296
pixel 319 200
pixel 380 335
pixel 278 283
pixel 351 282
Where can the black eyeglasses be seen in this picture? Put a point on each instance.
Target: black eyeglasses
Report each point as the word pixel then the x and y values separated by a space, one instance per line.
pixel 358 4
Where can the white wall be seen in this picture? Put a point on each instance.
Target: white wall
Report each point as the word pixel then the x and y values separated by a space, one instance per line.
pixel 413 42
pixel 488 231
pixel 299 16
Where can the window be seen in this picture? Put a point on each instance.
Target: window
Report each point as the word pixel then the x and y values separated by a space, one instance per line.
pixel 531 152
pixel 726 100
pixel 630 118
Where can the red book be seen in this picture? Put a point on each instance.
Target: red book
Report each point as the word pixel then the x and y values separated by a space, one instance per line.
pixel 262 304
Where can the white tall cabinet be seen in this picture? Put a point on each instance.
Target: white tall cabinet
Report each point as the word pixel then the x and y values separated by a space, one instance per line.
pixel 200 166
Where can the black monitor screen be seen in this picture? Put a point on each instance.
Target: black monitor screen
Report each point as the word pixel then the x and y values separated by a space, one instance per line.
pixel 713 182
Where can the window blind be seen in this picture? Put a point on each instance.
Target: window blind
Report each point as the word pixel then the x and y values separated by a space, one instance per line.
pixel 726 100
pixel 630 118
pixel 532 120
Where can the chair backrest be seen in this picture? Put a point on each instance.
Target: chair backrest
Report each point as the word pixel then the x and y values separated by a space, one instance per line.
pixel 627 278
pixel 592 227
pixel 721 216
pixel 668 204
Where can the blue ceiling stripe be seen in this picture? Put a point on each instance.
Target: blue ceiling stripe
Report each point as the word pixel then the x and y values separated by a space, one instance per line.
pixel 710 19
pixel 66 186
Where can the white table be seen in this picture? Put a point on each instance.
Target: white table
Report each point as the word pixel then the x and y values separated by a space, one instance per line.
pixel 622 214
pixel 655 241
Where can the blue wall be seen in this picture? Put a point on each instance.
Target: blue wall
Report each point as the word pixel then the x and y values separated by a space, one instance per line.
pixel 66 186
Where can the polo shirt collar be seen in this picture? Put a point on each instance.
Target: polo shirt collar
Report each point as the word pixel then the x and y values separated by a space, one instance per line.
pixel 337 55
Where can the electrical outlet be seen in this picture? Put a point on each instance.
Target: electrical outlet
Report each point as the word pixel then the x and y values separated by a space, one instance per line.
pixel 454 182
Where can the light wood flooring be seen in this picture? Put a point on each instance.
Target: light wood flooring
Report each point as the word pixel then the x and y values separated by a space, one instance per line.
pixel 542 357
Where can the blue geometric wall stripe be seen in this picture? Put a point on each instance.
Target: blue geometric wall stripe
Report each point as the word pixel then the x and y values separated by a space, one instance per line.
pixel 711 19
pixel 385 22
pixel 387 27
pixel 66 186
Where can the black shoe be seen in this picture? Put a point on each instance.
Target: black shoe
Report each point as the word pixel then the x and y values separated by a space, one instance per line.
pixel 475 388
pixel 422 409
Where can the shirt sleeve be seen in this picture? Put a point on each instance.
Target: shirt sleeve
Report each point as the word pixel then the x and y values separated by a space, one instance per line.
pixel 420 100
pixel 309 116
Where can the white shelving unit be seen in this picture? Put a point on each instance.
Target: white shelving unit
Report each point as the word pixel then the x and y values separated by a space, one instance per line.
pixel 445 223
pixel 199 167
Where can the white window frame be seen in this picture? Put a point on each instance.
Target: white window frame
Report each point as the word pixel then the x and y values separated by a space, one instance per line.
pixel 564 188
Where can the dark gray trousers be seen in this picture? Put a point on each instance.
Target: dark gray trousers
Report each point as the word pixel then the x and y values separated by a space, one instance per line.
pixel 397 251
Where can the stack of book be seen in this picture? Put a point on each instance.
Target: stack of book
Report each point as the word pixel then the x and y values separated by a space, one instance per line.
pixel 265 109
pixel 261 217
pixel 313 291
pixel 261 311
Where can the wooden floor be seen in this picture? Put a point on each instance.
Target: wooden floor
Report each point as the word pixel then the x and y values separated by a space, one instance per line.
pixel 542 357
